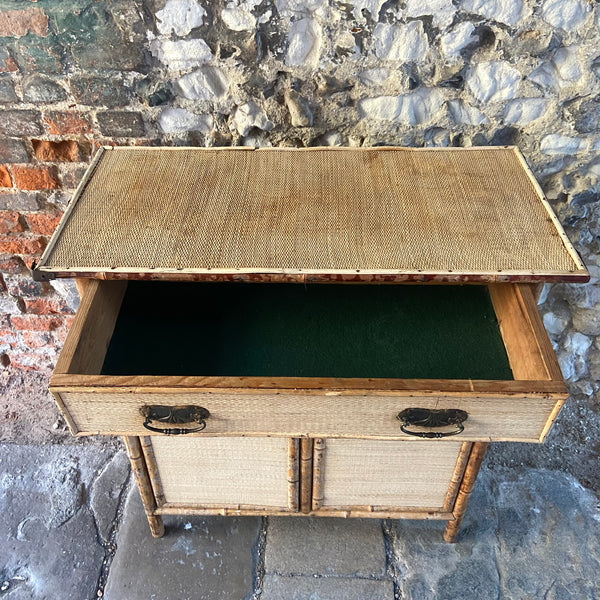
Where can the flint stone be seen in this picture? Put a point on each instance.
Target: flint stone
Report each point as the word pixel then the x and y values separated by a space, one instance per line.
pixel 210 556
pixel 373 7
pixel 461 112
pixel 555 324
pixel 569 15
pixel 415 108
pixel 304 43
pixel 178 120
pixel 509 12
pixel 299 109
pixel 181 55
pixel 237 18
pixel 511 545
pixel 523 111
pixel 250 115
pixel 50 550
pixel 493 81
pixel 442 11
pixel 375 76
pixel 589 116
pixel 180 17
pixel 561 144
pixel 400 43
pixel 561 71
pixel 457 39
pixel 207 83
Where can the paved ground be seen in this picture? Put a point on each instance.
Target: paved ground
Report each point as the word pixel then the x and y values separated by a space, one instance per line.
pixel 72 527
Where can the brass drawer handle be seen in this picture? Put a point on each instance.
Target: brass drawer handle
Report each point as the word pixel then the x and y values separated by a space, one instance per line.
pixel 175 415
pixel 432 417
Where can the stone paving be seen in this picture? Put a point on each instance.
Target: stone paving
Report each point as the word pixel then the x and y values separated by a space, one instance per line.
pixel 72 527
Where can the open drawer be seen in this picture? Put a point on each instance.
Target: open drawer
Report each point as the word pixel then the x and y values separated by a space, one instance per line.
pixel 317 361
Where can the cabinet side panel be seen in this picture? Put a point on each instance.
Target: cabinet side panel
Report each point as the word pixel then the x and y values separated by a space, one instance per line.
pixel 387 473
pixel 223 471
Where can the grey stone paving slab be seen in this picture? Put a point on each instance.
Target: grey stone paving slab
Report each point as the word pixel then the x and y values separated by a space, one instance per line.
pixel 49 547
pixel 199 558
pixel 325 546
pixel 277 587
pixel 527 535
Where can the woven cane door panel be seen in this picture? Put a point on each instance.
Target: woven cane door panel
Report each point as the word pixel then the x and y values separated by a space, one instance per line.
pixel 366 213
pixel 387 474
pixel 223 471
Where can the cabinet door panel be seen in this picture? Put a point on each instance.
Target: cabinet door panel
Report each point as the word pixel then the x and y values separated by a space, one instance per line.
pixel 228 472
pixel 380 474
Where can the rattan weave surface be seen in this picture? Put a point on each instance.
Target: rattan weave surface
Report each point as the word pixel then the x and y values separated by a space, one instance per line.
pixel 380 210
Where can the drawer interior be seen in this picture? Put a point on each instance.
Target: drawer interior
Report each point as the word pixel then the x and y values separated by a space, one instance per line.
pixel 319 330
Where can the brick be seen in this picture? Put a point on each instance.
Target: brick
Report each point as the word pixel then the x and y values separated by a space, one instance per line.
pixel 7 91
pixel 44 306
pixel 20 123
pixel 32 361
pixel 9 305
pixel 24 286
pixel 17 200
pixel 5 180
pixel 35 178
pixel 36 322
pixel 10 222
pixel 61 151
pixel 36 339
pixel 121 124
pixel 21 244
pixel 13 151
pixel 39 88
pixel 12 265
pixel 17 23
pixel 100 91
pixel 63 123
pixel 42 223
pixel 70 177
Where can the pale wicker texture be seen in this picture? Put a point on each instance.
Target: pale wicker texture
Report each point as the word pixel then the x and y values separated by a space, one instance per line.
pixel 319 210
pixel 376 473
pixel 225 471
pixel 492 418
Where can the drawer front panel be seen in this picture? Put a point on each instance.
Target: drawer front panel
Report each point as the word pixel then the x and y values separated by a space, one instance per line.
pixel 386 474
pixel 223 471
pixel 495 418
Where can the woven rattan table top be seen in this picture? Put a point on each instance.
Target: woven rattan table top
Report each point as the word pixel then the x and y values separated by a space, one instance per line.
pixel 378 214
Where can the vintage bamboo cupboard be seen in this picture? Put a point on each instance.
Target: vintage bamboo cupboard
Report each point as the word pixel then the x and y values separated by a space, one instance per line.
pixel 241 329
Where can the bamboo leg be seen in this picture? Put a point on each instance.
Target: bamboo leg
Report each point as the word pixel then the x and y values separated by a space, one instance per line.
pixel 306 457
pixel 466 487
pixel 142 478
pixel 318 450
pixel 293 474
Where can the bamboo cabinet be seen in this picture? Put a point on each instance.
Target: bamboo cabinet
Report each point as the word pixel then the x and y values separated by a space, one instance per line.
pixel 323 332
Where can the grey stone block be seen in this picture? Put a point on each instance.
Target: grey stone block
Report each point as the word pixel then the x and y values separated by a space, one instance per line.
pixel 106 493
pixel 528 533
pixel 121 124
pixel 100 91
pixel 20 123
pixel 277 587
pixel 208 558
pixel 39 88
pixel 50 549
pixel 13 151
pixel 325 546
pixel 7 91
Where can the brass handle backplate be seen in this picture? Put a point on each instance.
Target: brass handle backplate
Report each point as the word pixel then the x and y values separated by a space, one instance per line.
pixel 433 418
pixel 176 415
